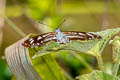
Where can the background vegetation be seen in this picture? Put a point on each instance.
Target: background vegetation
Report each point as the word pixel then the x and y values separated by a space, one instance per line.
pixel 80 15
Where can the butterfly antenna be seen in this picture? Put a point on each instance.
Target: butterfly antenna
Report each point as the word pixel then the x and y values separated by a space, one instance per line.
pixel 44 24
pixel 61 22
pixel 52 26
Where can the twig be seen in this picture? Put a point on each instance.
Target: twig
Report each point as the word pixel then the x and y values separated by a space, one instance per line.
pixel 100 62
pixel 14 27
pixel 115 69
pixel 116 54
pixel 117 62
pixel 2 10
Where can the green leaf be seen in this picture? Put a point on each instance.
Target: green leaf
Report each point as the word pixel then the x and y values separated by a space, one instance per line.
pixel 97 75
pixel 47 67
pixel 92 47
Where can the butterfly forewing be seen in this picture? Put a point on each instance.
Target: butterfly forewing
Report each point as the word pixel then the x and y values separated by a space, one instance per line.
pixel 42 39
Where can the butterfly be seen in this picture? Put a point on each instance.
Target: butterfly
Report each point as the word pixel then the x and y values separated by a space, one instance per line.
pixel 59 37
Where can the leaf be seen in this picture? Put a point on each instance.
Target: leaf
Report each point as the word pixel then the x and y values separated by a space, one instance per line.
pixel 20 63
pixel 97 75
pixel 48 68
pixel 93 47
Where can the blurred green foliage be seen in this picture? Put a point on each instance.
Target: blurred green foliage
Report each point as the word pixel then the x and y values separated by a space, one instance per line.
pixel 5 73
pixel 74 64
pixel 40 9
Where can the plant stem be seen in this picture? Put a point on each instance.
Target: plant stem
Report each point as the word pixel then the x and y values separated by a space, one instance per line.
pixel 14 27
pixel 82 61
pixel 100 62
pixel 115 69
pixel 116 54
pixel 116 51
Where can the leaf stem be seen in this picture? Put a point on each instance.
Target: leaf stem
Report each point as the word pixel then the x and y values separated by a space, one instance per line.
pixel 100 62
pixel 14 27
pixel 116 54
pixel 115 69
pixel 116 51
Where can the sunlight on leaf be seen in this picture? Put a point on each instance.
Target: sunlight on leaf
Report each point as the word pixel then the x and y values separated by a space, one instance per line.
pixel 97 75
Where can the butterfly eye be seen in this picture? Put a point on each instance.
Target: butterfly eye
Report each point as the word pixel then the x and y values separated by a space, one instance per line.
pixel 57 30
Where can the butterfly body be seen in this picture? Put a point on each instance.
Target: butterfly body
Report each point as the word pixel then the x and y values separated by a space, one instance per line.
pixel 61 37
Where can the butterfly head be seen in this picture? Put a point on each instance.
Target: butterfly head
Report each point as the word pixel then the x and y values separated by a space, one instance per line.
pixel 57 31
